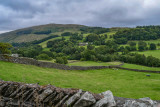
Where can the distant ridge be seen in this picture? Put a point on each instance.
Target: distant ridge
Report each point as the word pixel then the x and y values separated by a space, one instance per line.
pixel 38 32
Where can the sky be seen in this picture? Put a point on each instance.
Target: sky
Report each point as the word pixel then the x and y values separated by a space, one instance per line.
pixel 16 14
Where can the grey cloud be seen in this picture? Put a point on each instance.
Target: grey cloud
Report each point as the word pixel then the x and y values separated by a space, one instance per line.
pixel 107 13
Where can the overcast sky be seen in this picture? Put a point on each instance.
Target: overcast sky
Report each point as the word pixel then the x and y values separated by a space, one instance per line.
pixel 15 14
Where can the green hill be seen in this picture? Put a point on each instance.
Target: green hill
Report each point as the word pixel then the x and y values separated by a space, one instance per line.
pixel 38 32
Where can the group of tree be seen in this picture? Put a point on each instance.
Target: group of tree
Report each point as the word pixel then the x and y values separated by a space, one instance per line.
pixel 61 60
pixel 96 39
pixel 5 48
pixel 140 59
pixel 96 30
pixel 139 33
pixel 142 46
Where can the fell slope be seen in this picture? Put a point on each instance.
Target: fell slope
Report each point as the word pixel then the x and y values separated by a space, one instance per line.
pixel 38 32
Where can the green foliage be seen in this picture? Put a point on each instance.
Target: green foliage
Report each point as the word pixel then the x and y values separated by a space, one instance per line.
pixel 142 33
pixel 90 47
pixel 4 48
pixel 121 40
pixel 96 30
pixel 132 43
pixel 95 39
pixel 43 57
pixel 140 59
pixel 82 59
pixel 92 37
pixel 142 46
pixel 61 60
pixel 31 51
pixel 152 46
pixel 66 34
pixel 76 36
pixel 87 54
pixel 49 53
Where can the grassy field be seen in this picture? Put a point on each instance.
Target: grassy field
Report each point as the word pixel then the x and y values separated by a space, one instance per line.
pixel 85 63
pixel 133 66
pixel 44 44
pixel 155 53
pixel 122 83
pixel 92 63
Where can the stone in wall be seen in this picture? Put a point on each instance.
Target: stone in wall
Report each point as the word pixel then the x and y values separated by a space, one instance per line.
pixel 107 101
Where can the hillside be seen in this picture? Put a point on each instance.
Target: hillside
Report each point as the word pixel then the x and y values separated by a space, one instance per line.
pixel 38 32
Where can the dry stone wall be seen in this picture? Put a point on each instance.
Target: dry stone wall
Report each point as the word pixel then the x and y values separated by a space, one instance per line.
pixel 29 61
pixel 14 94
pixel 149 71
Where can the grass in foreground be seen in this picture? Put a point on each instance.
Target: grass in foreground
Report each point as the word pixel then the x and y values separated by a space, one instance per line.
pixel 92 63
pixel 140 67
pixel 122 83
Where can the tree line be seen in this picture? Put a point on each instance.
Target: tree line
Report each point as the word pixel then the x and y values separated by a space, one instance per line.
pixel 138 33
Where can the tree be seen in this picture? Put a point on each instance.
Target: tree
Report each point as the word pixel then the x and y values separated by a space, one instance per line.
pixel 61 60
pixel 49 53
pixel 66 34
pixel 142 46
pixel 121 49
pixel 43 57
pixel 4 48
pixel 90 47
pixel 121 40
pixel 92 37
pixel 152 46
pixel 132 43
pixel 65 61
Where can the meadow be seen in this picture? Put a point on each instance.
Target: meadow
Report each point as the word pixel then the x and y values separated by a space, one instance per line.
pixel 122 83
pixel 154 53
pixel 140 67
pixel 92 63
pixel 85 63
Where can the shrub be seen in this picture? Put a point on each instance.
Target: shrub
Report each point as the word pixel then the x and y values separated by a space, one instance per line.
pixel 50 54
pixel 152 46
pixel 61 60
pixel 43 57
pixel 4 48
pixel 82 59
pixel 65 61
